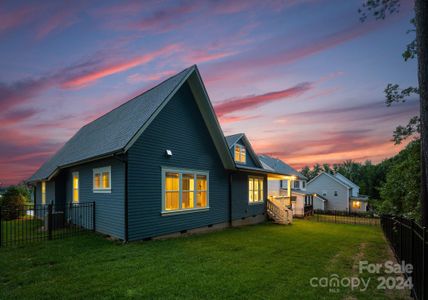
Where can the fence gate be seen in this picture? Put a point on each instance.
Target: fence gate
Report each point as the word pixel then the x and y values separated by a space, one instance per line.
pixel 45 222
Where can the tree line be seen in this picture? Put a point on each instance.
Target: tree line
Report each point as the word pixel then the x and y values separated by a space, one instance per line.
pixel 393 185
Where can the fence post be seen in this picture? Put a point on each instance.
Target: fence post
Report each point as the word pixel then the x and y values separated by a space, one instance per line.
pixel 1 229
pixel 50 221
pixel 424 264
pixel 93 217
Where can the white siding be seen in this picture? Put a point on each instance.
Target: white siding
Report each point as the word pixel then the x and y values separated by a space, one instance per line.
pixel 325 183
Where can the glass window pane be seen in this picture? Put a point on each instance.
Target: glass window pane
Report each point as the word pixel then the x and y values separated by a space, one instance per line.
pixel 106 180
pixel 243 158
pixel 201 200
pixel 171 200
pixel 97 180
pixel 187 200
pixel 75 196
pixel 237 153
pixel 188 182
pixel 250 184
pixel 171 182
pixel 256 196
pixel 75 182
pixel 201 182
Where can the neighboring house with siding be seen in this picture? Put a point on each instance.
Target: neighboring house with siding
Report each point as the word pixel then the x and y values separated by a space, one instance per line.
pixel 336 192
pixel 158 164
pixel 291 189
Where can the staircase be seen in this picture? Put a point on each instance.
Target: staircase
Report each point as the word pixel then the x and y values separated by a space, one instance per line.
pixel 279 213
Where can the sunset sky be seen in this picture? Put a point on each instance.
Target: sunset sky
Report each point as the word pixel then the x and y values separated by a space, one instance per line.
pixel 303 79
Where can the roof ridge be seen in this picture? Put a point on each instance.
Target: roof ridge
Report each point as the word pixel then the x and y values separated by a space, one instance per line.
pixel 139 95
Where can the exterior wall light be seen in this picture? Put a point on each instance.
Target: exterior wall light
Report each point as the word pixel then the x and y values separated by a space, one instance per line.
pixel 168 153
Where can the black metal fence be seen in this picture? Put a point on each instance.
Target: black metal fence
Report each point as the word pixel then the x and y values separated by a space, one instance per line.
pixel 344 217
pixel 409 241
pixel 44 222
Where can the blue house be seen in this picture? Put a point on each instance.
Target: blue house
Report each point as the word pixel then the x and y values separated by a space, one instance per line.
pixel 157 165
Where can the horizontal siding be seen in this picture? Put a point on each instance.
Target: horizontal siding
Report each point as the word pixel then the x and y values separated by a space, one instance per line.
pixel 109 206
pixel 180 128
pixel 240 205
pixel 325 183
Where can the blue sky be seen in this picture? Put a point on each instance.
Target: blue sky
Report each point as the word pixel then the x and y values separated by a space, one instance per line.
pixel 303 79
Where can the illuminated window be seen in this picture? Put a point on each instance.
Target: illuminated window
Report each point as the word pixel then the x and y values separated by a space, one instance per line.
pixel 240 154
pixel 43 192
pixel 102 180
pixel 255 190
pixel 356 204
pixel 75 187
pixel 184 190
pixel 201 191
pixel 172 191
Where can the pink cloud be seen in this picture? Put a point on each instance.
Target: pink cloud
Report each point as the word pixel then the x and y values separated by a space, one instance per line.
pixel 86 78
pixel 253 101
pixel 234 119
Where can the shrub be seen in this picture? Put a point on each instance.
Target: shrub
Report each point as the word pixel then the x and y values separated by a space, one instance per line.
pixel 13 202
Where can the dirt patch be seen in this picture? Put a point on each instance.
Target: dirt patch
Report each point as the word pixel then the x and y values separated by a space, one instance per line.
pixel 358 257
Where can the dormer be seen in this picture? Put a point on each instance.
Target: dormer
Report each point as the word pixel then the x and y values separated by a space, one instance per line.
pixel 242 152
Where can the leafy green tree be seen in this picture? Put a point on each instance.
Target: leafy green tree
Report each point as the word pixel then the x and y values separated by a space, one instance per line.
pixel 415 49
pixel 400 192
pixel 13 202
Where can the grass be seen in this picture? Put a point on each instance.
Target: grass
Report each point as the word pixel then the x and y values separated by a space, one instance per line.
pixel 265 261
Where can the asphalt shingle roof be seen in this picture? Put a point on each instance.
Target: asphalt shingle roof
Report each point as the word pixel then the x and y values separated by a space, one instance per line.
pixel 279 166
pixel 232 139
pixel 113 131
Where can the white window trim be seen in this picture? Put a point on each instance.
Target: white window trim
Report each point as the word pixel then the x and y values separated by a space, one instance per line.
pixel 75 174
pixel 100 171
pixel 180 172
pixel 240 147
pixel 263 191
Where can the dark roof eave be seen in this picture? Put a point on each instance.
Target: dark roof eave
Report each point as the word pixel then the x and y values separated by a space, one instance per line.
pixel 83 161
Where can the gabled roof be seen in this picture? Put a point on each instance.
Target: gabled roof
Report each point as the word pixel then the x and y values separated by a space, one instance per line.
pixel 116 131
pixel 321 197
pixel 346 180
pixel 329 176
pixel 279 166
pixel 233 139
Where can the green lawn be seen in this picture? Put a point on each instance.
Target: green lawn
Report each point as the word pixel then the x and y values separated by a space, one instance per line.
pixel 265 261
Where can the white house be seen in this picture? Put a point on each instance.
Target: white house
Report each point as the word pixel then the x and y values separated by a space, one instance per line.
pixel 290 190
pixel 336 192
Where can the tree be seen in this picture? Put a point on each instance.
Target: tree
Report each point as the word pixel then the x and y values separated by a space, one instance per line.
pixel 13 202
pixel 400 192
pixel 417 48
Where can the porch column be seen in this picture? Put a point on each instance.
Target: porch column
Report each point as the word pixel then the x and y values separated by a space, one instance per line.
pixel 289 187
